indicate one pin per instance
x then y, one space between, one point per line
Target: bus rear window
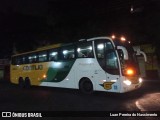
15 60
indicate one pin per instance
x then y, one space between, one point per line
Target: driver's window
111 59
106 56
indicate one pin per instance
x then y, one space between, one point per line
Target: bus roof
41 49
59 45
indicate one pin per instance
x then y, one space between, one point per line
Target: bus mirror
139 52
123 52
144 55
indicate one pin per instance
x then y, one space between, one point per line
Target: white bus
96 64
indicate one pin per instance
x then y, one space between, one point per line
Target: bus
95 64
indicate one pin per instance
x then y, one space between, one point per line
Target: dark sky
40 7
35 7
31 23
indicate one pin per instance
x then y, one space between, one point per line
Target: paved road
13 98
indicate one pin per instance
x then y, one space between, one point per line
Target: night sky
28 24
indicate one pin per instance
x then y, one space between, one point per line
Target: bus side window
19 61
68 53
100 53
42 56
32 58
53 55
100 50
26 59
23 59
16 60
111 60
84 50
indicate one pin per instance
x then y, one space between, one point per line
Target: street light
113 36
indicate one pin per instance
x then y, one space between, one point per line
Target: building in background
149 69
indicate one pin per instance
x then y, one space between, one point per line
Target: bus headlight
140 80
127 82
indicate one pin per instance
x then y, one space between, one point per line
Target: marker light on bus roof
113 36
100 46
127 82
123 39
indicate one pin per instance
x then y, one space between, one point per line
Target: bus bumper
127 85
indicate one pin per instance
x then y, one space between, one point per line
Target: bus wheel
86 86
21 82
27 82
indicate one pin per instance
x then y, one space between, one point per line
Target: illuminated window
100 50
106 56
109 46
32 58
23 59
19 60
53 55
85 50
111 61
100 46
42 57
68 53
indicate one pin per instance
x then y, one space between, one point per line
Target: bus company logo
107 85
33 67
6 114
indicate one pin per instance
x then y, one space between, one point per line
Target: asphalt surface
144 99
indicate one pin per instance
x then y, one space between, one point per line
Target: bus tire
21 82
86 86
27 82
